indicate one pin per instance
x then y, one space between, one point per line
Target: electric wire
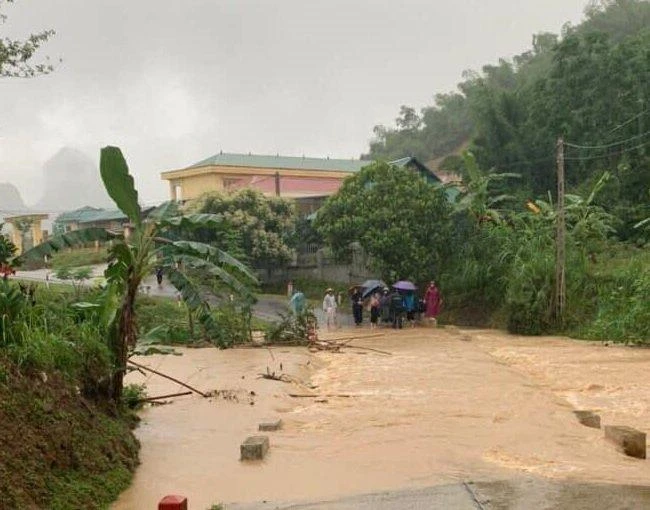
608 145
602 156
647 110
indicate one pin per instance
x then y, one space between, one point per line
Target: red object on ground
173 503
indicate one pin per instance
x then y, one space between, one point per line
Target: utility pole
560 237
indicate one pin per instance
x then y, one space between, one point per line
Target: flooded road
448 405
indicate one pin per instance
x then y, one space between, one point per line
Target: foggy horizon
176 84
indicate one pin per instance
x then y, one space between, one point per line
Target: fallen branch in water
310 395
369 349
345 339
336 346
282 378
144 367
150 399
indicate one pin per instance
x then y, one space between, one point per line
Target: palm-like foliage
476 193
144 246
588 224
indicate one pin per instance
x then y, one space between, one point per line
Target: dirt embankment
58 451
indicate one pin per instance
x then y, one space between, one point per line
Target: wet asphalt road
517 494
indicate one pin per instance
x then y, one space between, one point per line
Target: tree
147 245
7 248
591 86
257 227
398 218
16 55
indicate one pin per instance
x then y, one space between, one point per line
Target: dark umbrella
404 285
369 286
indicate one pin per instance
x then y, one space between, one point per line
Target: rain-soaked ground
447 407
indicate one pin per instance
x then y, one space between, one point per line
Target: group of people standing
388 307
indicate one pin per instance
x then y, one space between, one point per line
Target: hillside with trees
590 85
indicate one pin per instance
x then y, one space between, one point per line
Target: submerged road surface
446 407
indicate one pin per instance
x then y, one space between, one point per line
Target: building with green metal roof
87 217
286 176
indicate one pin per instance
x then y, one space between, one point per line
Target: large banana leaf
214 270
642 223
192 221
164 211
67 240
192 297
119 183
201 249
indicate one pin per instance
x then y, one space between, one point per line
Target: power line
630 120
608 145
601 156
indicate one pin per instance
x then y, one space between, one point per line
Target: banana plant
475 193
144 245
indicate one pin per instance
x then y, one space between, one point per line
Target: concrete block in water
630 440
588 418
254 448
270 426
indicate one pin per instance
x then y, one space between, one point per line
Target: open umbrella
369 286
353 288
404 285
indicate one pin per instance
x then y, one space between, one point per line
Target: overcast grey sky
173 82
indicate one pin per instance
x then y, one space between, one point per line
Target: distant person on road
397 309
159 275
298 302
432 301
410 305
384 307
329 307
357 306
374 310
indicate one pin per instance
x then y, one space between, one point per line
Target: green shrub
622 311
167 314
133 394
292 328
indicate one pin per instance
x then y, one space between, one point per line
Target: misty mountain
71 181
10 199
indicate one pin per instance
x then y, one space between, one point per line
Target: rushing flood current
446 406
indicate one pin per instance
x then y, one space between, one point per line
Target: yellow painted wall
194 186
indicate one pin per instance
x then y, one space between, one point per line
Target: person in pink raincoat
432 302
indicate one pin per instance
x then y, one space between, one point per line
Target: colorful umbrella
404 285
369 286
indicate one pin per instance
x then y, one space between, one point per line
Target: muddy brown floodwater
448 405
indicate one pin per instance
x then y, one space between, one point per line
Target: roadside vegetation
78 257
491 247
53 365
64 350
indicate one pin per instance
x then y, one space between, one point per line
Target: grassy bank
71 257
59 450
606 300
63 445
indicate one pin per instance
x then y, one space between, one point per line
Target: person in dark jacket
397 309
357 306
384 307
